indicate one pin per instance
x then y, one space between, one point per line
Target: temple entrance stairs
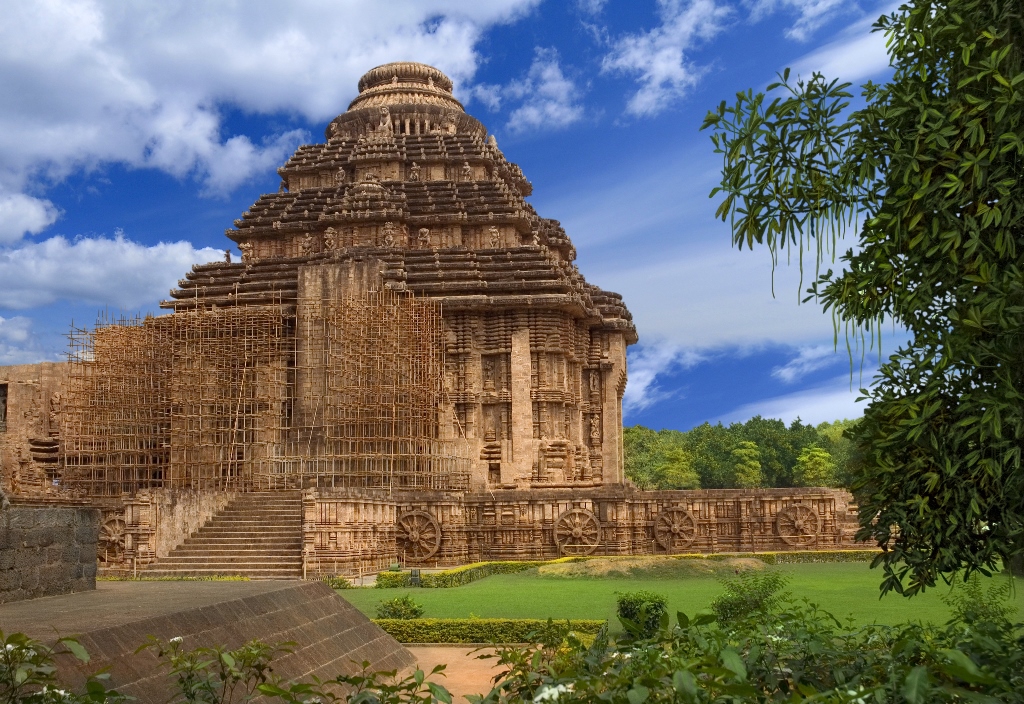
257 535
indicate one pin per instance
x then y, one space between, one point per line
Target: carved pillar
523 444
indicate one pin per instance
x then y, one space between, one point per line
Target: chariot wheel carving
419 535
797 525
675 529
112 539
577 532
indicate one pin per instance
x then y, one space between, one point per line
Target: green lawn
845 589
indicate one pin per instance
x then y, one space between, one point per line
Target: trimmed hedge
816 556
480 630
478 570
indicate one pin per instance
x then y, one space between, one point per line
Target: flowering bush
791 652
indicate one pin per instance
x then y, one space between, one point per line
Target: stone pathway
465 674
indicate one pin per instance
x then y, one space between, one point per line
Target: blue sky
132 134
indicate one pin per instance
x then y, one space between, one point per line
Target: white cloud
20 214
857 54
546 97
659 56
646 363
591 7
103 271
16 345
807 360
828 402
551 100
88 82
811 14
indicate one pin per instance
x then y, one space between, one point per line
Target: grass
845 589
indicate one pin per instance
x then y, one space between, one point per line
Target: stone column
523 444
613 369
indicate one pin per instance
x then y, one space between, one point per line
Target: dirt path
465 674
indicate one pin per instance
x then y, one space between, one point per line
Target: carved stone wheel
419 535
675 529
577 532
112 539
797 525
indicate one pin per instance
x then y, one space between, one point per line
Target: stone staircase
257 535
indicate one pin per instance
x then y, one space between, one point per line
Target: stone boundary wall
47 551
352 532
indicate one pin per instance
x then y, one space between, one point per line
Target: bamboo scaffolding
344 393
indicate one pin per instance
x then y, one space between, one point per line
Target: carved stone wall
30 404
442 529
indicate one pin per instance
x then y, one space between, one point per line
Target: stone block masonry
328 635
47 551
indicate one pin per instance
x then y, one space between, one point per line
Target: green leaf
734 663
76 648
439 693
916 685
685 683
637 694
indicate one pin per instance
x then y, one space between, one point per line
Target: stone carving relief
494 236
467 171
388 232
340 177
330 239
308 245
414 172
423 237
247 252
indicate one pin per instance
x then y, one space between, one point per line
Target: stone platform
331 636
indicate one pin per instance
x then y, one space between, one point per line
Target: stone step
255 535
251 574
227 532
234 560
289 538
211 553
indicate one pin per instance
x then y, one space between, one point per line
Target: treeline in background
762 452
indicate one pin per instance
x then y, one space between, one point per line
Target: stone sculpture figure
414 172
385 126
494 236
389 234
247 253
308 245
467 171
424 237
227 256
330 239
339 177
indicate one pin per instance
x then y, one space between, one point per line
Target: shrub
642 610
801 655
401 607
27 673
970 603
338 582
392 580
482 630
749 594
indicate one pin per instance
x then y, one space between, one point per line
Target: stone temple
405 366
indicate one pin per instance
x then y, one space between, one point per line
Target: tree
929 171
678 472
746 462
815 467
